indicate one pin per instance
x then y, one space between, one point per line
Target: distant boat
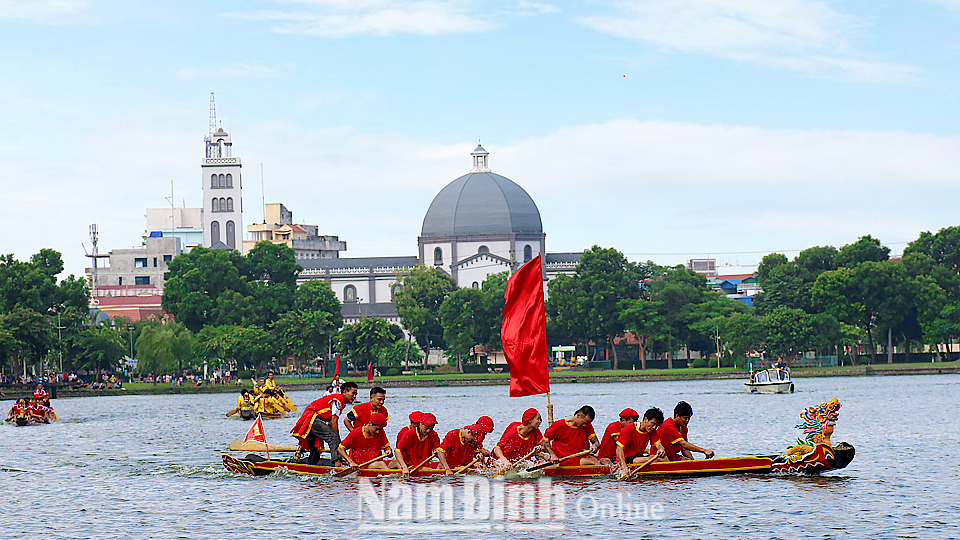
770 381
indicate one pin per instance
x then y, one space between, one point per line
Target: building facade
139 266
222 187
303 239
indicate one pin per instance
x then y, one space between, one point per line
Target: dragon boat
256 465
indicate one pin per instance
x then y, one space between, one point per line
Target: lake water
149 467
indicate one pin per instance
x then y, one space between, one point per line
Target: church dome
481 202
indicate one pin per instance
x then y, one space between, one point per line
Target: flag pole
549 409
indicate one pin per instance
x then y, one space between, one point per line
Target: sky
667 129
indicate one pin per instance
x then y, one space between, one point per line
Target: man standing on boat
608 444
573 435
320 422
367 442
360 414
635 437
673 435
416 443
519 439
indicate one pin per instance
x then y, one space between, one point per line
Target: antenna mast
93 238
213 115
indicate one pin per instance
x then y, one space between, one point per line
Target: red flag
370 371
524 331
336 370
256 432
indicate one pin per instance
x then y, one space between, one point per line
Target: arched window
231 234
214 232
213 180
483 249
527 253
223 204
229 204
438 257
349 293
229 180
215 205
475 285
223 182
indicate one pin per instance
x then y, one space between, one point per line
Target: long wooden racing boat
255 465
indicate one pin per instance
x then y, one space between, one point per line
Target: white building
222 203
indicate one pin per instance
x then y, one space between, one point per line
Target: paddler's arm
443 461
347 423
343 453
498 453
595 445
621 458
403 465
554 458
690 447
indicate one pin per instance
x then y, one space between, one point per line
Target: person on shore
459 447
320 423
360 414
367 442
520 439
635 437
416 443
608 443
673 435
573 435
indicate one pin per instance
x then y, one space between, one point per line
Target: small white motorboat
770 381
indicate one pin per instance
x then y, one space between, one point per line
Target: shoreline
585 378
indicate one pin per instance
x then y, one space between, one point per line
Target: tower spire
213 115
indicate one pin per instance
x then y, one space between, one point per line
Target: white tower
222 203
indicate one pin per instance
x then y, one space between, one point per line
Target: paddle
257 446
424 462
468 465
233 412
638 468
356 468
549 463
518 462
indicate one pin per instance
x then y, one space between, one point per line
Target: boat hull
780 387
260 467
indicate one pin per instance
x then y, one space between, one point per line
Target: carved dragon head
817 423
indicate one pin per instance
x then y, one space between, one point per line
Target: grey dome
481 203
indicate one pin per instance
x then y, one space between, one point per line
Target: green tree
31 335
865 249
418 296
646 320
164 348
364 341
679 290
303 335
242 346
194 283
316 295
787 331
100 348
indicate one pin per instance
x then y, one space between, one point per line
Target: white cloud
806 35
342 18
526 6
233 70
46 11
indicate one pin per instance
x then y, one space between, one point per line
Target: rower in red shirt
20 413
360 414
673 435
320 423
486 427
634 438
573 435
519 439
415 418
608 444
459 447
367 442
41 394
415 444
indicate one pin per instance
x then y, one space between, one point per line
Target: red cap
428 419
485 423
476 431
530 414
416 416
378 419
629 413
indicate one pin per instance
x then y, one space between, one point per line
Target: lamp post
130 327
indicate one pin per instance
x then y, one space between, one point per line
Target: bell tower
222 203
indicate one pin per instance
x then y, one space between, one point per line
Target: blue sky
668 129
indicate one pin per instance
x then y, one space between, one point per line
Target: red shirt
363 448
360 414
634 442
40 394
608 446
320 408
458 452
514 446
415 449
567 439
670 436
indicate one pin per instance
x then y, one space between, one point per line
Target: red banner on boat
524 331
256 432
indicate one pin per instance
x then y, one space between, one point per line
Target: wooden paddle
518 462
638 468
468 465
424 462
356 468
257 446
233 412
549 463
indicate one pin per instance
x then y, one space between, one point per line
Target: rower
360 415
320 422
635 437
608 444
415 418
19 413
367 442
673 435
41 394
416 443
459 447
569 436
268 383
520 438
486 427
